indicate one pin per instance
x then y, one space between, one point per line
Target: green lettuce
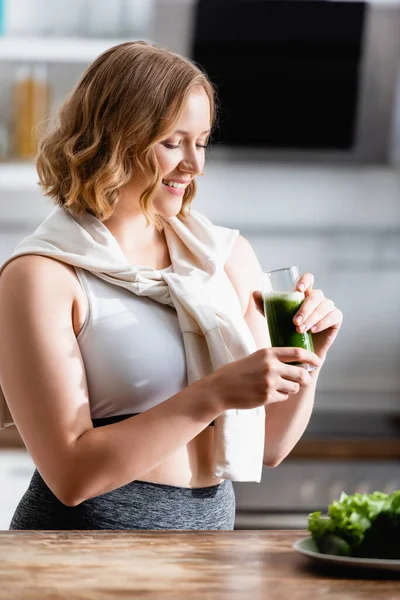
360 525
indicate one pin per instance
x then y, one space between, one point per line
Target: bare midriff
190 466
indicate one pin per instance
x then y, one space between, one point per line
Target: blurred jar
30 105
3 142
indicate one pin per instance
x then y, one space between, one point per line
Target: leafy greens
360 525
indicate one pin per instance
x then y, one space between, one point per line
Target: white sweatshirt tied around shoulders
210 317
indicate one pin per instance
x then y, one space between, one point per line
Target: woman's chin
172 210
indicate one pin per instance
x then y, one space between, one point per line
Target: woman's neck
141 244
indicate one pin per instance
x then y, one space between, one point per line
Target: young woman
115 393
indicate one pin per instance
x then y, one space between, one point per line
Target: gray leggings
137 505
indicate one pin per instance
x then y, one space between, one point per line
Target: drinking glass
281 303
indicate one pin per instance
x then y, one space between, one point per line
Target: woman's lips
175 191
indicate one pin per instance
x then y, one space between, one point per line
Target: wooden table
108 565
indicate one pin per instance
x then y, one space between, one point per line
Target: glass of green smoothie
281 303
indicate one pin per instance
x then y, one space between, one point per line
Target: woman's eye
170 146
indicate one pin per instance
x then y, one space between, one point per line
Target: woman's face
181 155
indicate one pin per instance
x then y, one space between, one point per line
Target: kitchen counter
217 565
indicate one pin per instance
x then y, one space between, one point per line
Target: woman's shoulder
30 274
242 258
32 265
244 270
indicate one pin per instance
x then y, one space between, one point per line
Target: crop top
132 348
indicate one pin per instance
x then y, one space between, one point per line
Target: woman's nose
191 164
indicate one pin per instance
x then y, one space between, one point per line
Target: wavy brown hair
126 101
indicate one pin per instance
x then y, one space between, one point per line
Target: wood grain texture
217 565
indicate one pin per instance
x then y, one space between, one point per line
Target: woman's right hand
264 377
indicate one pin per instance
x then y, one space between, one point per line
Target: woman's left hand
317 314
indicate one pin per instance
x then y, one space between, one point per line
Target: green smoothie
280 309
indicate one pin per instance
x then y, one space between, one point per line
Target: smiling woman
129 330
181 155
86 161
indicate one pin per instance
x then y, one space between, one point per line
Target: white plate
308 547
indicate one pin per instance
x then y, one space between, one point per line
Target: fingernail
302 327
314 329
298 320
301 287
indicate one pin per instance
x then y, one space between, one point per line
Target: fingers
291 381
305 282
300 355
285 386
311 302
332 320
278 397
315 311
297 375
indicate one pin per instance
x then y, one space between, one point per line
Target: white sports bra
132 349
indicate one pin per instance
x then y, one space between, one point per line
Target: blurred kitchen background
305 162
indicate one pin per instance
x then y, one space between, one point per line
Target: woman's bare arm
43 378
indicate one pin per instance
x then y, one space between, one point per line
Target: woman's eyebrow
182 132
